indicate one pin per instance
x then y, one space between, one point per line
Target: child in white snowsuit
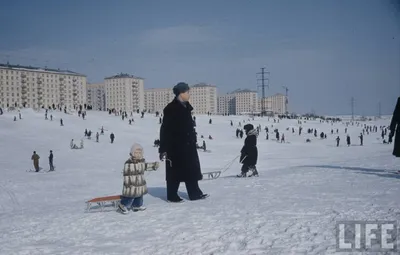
249 152
134 183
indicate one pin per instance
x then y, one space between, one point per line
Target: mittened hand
156 165
163 156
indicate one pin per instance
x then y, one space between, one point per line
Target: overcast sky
325 51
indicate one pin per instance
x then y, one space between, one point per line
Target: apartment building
203 98
37 87
227 104
246 101
278 103
157 99
124 92
275 104
96 96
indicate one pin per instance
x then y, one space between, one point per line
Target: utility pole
352 108
286 99
263 85
379 110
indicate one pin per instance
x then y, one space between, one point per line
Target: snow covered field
291 208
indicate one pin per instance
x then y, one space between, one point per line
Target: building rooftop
242 91
123 75
38 69
202 85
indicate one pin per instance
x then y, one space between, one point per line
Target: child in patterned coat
134 183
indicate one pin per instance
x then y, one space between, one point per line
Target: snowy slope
290 209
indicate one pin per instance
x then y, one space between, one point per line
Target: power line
286 99
379 110
263 85
352 108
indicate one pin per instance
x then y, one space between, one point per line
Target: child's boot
137 209
242 174
122 209
254 172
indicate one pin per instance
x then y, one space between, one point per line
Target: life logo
367 236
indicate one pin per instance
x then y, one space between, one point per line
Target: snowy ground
290 209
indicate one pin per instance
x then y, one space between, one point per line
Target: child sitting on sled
249 152
134 183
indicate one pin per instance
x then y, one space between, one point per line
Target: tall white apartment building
278 103
124 92
203 98
96 96
246 102
227 104
157 99
275 104
40 87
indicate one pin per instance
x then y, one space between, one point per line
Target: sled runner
103 203
211 175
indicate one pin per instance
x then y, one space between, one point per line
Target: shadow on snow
377 172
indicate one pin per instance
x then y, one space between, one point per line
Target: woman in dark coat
178 145
395 130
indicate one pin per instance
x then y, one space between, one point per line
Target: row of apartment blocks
241 102
42 87
36 87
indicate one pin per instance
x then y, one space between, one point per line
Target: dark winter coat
395 130
178 139
249 152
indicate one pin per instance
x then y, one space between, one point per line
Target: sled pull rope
228 165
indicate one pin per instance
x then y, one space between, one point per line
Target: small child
249 152
134 183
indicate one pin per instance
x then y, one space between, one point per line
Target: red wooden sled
103 202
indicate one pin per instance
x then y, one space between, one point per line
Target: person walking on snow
97 137
51 156
348 140
35 159
395 130
134 186
361 139
112 137
249 152
178 146
337 141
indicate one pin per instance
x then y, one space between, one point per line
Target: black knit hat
248 127
181 87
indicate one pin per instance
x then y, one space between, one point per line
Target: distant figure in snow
204 146
361 139
231 123
241 134
61 122
51 117
249 152
20 117
112 137
337 141
210 137
35 159
348 140
283 138
102 130
15 118
210 121
51 156
97 137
